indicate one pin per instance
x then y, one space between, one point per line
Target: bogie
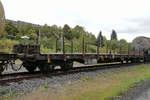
30 66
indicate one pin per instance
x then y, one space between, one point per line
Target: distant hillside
18 23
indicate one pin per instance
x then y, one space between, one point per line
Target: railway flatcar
32 58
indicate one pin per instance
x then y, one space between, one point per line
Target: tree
107 45
56 31
114 35
67 32
22 30
123 44
76 31
11 29
114 45
100 40
45 31
32 34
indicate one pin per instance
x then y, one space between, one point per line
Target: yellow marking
49 60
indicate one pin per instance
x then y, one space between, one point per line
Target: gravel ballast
54 82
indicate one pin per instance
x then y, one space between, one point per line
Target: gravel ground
54 82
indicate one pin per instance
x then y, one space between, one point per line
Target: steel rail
25 75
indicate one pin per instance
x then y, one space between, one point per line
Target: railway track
16 77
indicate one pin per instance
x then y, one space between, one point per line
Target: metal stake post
120 48
128 49
39 37
64 45
72 46
83 47
56 45
98 50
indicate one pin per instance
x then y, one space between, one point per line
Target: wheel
2 68
127 61
70 65
122 61
67 66
30 67
45 67
133 61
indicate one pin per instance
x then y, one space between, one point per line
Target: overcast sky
130 18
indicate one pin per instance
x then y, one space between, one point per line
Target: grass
4 90
104 87
10 96
85 79
46 86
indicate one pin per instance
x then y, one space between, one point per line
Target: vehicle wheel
122 61
127 61
70 65
45 68
67 66
30 69
1 69
29 66
133 61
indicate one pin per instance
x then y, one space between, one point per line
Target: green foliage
114 45
32 34
108 45
46 85
49 35
123 46
77 31
6 45
11 29
85 78
4 90
67 32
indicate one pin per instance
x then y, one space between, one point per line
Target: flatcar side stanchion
64 65
122 59
128 55
56 45
98 51
83 47
71 46
120 48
